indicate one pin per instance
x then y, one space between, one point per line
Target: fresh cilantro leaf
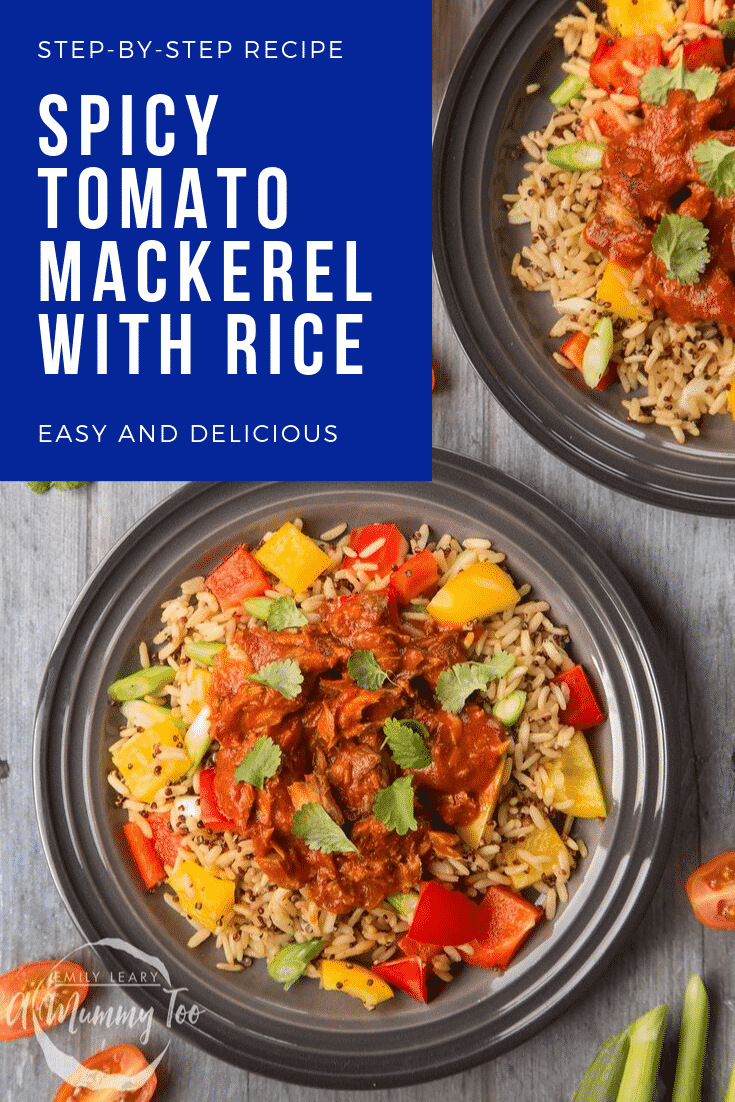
656 83
716 163
500 664
394 806
681 242
364 670
455 685
285 613
261 762
284 676
405 740
726 27
313 825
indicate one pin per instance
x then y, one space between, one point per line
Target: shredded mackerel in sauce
650 172
331 739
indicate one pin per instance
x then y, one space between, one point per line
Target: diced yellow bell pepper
353 979
480 590
203 895
472 832
731 399
145 770
573 777
614 287
545 845
293 557
640 16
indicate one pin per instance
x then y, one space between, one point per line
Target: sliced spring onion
568 90
258 606
577 156
197 739
203 652
290 962
641 1067
141 683
598 352
404 903
692 1043
601 1081
510 707
139 713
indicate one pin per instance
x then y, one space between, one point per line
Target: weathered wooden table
682 569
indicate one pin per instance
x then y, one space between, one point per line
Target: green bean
577 156
290 963
142 683
602 1078
568 90
646 1036
692 1043
203 652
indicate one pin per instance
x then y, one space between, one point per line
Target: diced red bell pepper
166 841
444 917
212 816
607 69
412 948
409 974
704 51
144 854
512 918
237 577
418 575
583 709
390 554
573 348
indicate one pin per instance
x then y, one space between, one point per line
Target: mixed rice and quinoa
266 917
672 375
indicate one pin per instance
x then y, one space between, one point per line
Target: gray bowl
307 1035
504 328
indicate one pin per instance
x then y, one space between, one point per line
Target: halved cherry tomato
583 708
705 51
118 1060
711 891
391 553
237 577
573 348
212 816
48 989
607 67
512 918
409 974
166 841
444 917
418 575
143 852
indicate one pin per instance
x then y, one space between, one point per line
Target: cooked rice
656 358
265 917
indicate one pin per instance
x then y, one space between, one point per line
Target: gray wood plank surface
681 568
